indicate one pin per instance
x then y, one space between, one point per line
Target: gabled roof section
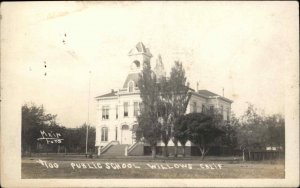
111 94
209 94
134 77
140 49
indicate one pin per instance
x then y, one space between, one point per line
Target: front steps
115 150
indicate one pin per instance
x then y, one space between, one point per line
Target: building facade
117 110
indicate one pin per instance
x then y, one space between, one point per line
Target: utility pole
88 117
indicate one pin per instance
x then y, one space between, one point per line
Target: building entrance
126 135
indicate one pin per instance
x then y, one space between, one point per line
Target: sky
52 49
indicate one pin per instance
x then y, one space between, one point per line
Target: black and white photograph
155 94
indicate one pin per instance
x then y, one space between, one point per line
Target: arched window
125 127
137 64
130 86
104 134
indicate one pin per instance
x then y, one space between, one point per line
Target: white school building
117 110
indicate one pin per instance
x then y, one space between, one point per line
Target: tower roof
159 68
131 77
140 49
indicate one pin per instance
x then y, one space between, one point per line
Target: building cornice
212 97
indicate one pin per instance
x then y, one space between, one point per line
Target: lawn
145 167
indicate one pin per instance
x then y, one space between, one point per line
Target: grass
230 168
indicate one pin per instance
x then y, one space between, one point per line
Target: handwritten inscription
50 137
48 164
119 166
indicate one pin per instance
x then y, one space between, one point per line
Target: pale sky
245 47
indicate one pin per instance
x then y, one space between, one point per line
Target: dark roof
207 93
140 47
111 94
211 94
134 77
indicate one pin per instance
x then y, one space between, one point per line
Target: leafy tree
164 111
257 131
229 128
54 127
34 119
202 131
251 129
91 137
275 130
181 131
229 138
71 140
149 124
176 94
76 139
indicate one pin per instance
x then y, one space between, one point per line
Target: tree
181 131
34 119
91 137
176 94
202 131
148 120
164 111
55 128
230 138
71 140
275 130
257 131
251 128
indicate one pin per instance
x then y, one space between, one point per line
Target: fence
264 155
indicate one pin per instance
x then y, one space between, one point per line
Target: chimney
223 91
197 86
112 91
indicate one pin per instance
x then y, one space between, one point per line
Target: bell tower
138 55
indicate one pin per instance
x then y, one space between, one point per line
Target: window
104 134
137 63
125 109
117 112
141 106
228 114
105 112
130 86
211 109
194 107
116 133
135 109
125 127
203 108
222 111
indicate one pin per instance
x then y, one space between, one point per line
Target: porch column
99 151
